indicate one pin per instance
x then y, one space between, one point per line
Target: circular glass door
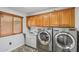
65 40
44 37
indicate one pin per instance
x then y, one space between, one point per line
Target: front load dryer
44 39
64 40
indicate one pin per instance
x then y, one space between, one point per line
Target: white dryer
64 40
44 39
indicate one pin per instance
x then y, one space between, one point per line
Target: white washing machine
44 39
64 40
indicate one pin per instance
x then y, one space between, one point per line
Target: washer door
44 37
65 41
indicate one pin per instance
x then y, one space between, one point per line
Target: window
17 25
6 25
10 25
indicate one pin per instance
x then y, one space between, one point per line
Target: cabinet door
46 18
28 21
6 24
54 19
72 18
17 25
31 21
39 21
67 19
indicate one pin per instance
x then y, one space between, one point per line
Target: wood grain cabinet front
39 21
46 19
54 19
34 21
31 21
67 18
61 18
28 20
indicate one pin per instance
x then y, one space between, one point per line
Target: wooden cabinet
39 21
34 21
67 18
61 18
31 21
54 19
45 19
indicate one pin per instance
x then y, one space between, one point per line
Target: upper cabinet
45 19
54 19
31 21
61 18
39 21
67 18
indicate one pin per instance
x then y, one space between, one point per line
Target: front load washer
64 40
44 39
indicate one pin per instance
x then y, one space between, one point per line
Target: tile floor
24 49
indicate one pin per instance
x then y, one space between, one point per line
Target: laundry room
39 29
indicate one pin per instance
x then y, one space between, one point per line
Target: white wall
77 18
17 40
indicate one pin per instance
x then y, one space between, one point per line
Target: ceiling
29 10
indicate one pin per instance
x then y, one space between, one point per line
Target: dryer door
65 40
44 37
